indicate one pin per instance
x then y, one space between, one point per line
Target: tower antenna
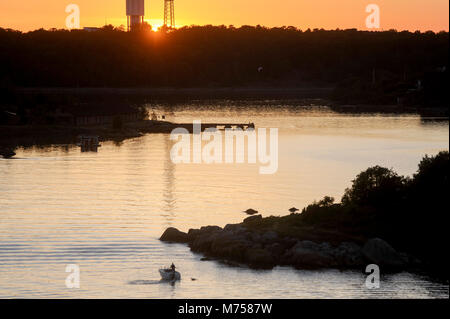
169 13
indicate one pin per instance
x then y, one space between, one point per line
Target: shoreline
34 135
265 243
13 136
183 93
378 221
298 96
254 244
28 136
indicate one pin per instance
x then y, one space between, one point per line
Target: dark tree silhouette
375 186
220 56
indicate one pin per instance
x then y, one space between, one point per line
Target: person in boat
172 267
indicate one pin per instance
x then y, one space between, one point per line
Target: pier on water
218 126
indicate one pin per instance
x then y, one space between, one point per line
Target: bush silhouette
374 187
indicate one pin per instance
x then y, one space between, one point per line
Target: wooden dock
219 126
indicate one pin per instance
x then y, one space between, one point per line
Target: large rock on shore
259 258
379 252
309 255
206 230
173 235
200 240
349 255
253 219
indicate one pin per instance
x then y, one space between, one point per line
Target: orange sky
411 15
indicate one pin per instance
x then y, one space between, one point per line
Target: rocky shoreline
12 137
264 248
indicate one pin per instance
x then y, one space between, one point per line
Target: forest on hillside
355 62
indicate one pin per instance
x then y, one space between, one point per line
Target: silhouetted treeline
215 56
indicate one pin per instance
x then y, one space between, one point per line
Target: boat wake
146 282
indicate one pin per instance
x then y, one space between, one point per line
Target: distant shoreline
197 92
169 94
33 135
13 136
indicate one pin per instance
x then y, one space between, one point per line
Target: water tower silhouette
135 14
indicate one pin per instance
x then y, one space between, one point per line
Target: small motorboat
169 274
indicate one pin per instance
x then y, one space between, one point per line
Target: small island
396 222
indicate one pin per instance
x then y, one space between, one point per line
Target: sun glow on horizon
409 15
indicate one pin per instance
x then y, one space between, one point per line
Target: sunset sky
328 14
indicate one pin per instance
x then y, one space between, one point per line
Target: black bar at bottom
218 308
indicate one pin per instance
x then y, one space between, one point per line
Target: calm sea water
105 211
